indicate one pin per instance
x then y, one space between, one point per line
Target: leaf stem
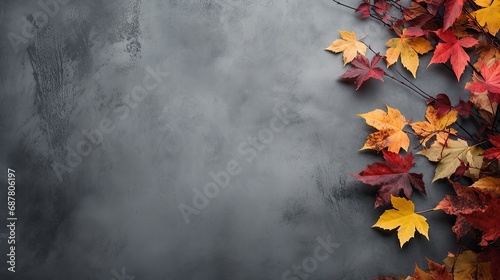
425 211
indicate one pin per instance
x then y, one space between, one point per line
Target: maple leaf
435 125
404 218
488 222
363 70
489 184
364 9
493 153
467 201
393 178
453 50
452 10
488 81
489 15
476 207
381 6
468 266
449 156
436 272
349 45
408 48
390 132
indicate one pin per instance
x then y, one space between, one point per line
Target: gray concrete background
229 64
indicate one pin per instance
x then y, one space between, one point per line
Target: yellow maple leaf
467 266
449 156
408 48
349 45
490 184
435 126
404 218
489 15
390 132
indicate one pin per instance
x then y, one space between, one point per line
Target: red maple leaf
381 6
488 222
393 177
467 201
452 10
489 79
453 50
493 153
364 9
363 70
476 208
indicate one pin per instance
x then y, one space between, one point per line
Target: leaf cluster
457 34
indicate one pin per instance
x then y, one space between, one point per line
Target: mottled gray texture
229 63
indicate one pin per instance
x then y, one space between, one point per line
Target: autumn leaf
476 207
435 126
494 152
488 222
408 48
489 15
432 5
363 70
485 54
449 156
417 14
381 6
436 272
390 132
452 10
453 50
488 81
441 103
364 9
483 102
404 218
463 108
393 178
491 254
349 45
490 184
466 201
468 266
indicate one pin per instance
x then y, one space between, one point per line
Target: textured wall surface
118 115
